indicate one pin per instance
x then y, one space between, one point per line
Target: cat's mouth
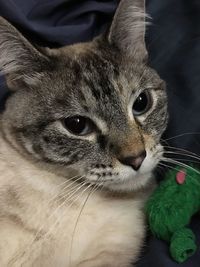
120 180
130 183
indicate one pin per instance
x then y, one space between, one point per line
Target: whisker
71 183
184 159
72 197
93 189
72 192
176 169
180 164
62 195
182 150
73 200
168 166
64 192
180 135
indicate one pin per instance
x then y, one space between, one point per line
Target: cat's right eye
142 104
79 125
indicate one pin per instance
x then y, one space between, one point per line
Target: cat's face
94 108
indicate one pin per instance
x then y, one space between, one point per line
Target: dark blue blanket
173 42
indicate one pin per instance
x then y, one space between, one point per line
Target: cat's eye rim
79 125
142 103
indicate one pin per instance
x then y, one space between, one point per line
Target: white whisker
182 150
176 169
180 135
180 164
70 198
77 220
72 184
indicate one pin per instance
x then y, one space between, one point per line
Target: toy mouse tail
182 245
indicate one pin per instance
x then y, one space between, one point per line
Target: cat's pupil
78 125
142 103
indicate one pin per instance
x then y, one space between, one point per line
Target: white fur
109 231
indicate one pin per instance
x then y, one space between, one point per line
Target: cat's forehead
93 74
101 69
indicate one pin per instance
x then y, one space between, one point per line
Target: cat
79 140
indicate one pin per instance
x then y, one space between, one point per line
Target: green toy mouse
170 209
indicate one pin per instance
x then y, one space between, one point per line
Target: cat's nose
134 161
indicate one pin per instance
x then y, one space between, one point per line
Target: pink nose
134 161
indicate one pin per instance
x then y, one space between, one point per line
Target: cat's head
95 108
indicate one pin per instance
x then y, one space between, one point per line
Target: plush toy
170 209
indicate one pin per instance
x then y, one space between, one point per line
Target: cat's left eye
79 125
142 103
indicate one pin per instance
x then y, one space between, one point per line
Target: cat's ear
127 31
20 61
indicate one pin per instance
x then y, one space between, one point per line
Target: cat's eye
142 103
79 125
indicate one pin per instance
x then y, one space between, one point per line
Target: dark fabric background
173 41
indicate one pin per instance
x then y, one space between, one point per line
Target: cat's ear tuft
127 31
20 61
